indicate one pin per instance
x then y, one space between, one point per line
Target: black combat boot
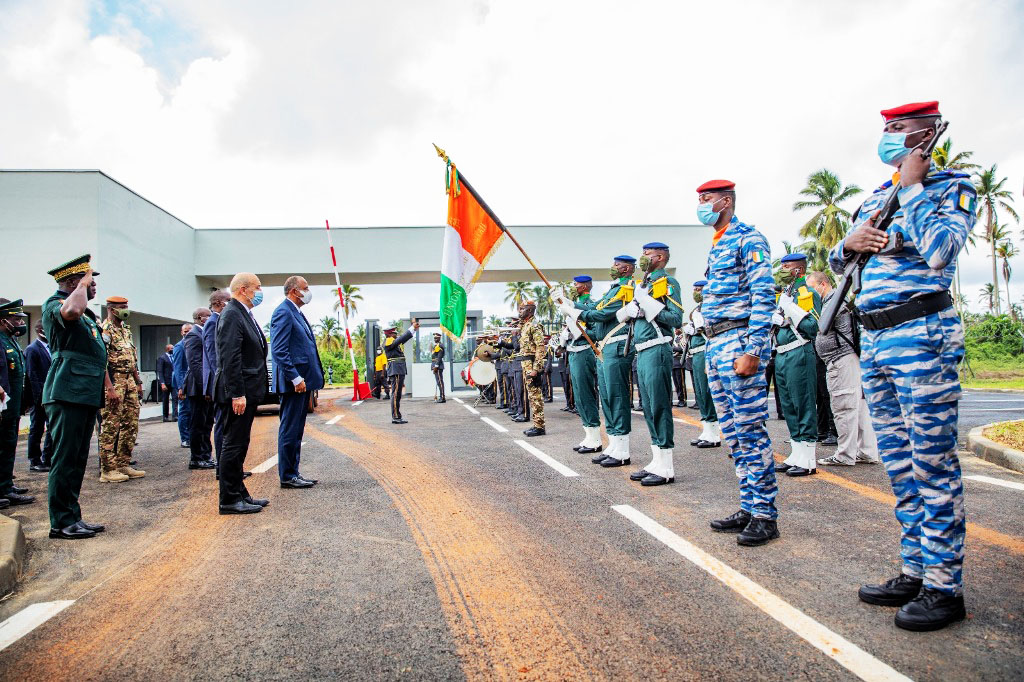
931 610
895 592
758 532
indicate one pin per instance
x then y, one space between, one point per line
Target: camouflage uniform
120 422
533 349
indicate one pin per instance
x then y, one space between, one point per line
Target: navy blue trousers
289 434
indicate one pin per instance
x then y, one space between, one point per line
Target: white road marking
844 652
547 459
472 410
494 425
334 419
458 400
28 619
967 408
265 466
996 481
1002 400
357 403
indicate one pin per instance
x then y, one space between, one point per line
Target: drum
483 373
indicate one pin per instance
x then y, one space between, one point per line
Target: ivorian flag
470 239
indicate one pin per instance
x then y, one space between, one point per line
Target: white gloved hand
564 306
698 320
627 312
689 329
792 309
778 320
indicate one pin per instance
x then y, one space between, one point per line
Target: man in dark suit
297 373
178 385
202 407
37 357
240 384
165 375
218 300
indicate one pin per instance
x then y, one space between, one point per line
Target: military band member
437 366
739 300
679 351
583 370
796 365
549 356
710 433
395 353
532 350
18 394
911 344
120 418
654 313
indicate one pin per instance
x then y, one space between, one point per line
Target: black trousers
397 388
567 388
548 387
518 391
826 422
39 425
220 414
680 383
439 380
169 403
237 431
200 428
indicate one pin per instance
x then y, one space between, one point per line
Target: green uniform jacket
602 314
79 356
808 326
15 361
584 303
670 317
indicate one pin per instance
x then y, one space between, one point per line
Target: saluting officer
12 389
73 392
437 366
710 434
120 418
583 369
796 365
911 346
739 300
395 353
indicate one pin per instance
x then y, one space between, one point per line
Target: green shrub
342 366
993 338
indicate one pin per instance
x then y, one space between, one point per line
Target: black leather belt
919 306
713 330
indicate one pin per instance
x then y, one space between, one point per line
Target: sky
243 113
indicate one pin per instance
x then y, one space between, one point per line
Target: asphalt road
985 407
442 549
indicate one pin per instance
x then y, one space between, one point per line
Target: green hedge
342 366
993 338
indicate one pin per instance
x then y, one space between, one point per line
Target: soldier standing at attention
532 349
583 371
796 365
120 418
395 353
73 392
911 344
12 388
654 313
739 300
437 366
710 435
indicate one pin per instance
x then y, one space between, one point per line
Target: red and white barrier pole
344 315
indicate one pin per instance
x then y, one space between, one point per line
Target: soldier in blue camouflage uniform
911 345
710 435
739 300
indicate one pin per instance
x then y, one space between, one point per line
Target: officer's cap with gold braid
12 309
77 266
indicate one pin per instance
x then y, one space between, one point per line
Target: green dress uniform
652 340
796 371
120 420
14 385
583 375
72 394
614 367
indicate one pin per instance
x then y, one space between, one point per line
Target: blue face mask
892 148
257 298
706 213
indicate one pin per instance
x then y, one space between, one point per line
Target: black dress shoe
39 467
600 457
610 462
4 503
694 441
704 444
399 421
588 451
758 532
639 475
72 532
550 400
19 489
94 527
800 471
132 463
534 431
15 499
576 448
296 483
783 467
895 592
201 464
733 523
240 507
257 501
654 479
521 420
314 481
931 610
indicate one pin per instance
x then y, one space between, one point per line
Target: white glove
574 330
650 306
698 320
689 329
778 320
627 312
571 315
793 311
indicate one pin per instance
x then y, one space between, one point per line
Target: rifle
853 269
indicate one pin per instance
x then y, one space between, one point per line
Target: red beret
716 186
913 110
117 299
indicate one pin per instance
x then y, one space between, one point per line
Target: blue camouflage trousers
913 390
742 406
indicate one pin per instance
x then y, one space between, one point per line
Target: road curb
991 451
1018 391
12 553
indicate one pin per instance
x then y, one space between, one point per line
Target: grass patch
1010 434
994 373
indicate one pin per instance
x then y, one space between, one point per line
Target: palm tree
359 340
945 159
991 198
988 297
329 334
351 294
545 308
516 293
495 321
831 221
1005 251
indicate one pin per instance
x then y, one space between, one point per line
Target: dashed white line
472 410
458 400
334 419
844 652
547 459
265 466
357 403
28 619
494 425
1013 485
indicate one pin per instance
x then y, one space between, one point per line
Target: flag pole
344 314
505 231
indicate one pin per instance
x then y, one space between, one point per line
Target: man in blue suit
178 385
37 359
199 437
297 373
218 300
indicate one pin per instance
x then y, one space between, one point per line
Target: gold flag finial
441 153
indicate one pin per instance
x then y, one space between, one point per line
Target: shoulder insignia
758 256
805 299
659 288
388 341
965 201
